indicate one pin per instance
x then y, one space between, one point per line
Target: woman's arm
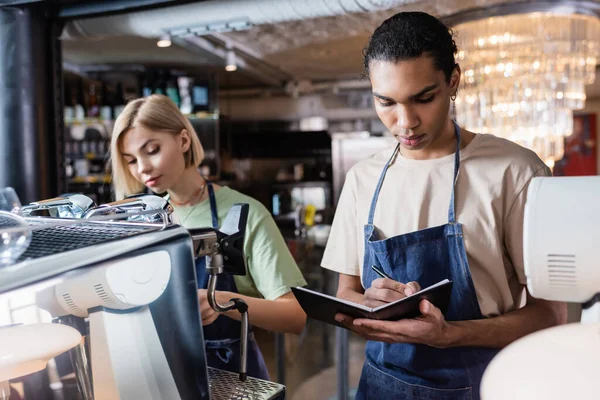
283 314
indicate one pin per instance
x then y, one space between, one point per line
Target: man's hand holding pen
384 290
430 328
387 290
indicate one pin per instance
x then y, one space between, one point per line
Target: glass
15 234
9 201
524 74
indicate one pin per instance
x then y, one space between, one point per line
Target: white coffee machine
562 262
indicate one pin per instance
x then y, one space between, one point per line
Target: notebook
322 307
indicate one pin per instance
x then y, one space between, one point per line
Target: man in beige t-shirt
490 200
444 204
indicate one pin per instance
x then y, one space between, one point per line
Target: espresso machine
123 276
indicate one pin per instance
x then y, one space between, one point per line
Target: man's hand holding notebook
324 308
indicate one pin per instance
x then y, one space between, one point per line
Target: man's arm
502 330
350 288
433 330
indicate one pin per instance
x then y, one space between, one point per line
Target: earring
453 111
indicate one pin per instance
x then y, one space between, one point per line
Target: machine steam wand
214 268
223 250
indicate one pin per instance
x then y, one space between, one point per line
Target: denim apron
416 371
222 337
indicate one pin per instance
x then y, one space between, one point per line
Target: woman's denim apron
222 337
415 371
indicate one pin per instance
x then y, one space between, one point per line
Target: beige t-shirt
490 198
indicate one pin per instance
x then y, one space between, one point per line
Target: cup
9 201
15 237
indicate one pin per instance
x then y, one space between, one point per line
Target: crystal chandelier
524 74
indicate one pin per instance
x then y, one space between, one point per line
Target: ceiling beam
250 54
199 45
86 9
85 70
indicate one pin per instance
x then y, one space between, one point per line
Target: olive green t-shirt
272 270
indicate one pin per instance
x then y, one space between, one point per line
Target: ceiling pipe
304 88
153 23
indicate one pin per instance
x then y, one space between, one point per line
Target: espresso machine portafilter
224 252
68 205
135 205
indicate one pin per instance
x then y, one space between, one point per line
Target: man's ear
455 78
186 140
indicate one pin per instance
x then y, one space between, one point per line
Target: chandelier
524 74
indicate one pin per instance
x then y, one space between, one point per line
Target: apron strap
451 208
379 184
213 206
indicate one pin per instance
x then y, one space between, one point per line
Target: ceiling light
164 41
230 61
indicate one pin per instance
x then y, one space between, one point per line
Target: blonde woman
155 146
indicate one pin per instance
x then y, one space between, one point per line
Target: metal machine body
135 284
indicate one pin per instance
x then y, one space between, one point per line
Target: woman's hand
383 291
206 312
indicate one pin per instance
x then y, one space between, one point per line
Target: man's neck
442 146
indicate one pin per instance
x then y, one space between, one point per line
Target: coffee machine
124 276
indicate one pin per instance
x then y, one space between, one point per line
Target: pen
381 273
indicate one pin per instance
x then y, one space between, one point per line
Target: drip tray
226 385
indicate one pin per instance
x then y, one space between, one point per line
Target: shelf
87 121
203 115
89 156
323 183
102 179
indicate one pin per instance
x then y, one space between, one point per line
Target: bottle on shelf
69 110
106 108
119 101
146 86
199 96
173 90
75 149
102 148
184 92
94 107
80 104
159 84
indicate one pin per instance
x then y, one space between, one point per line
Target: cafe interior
276 93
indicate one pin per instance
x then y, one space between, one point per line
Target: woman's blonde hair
158 113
